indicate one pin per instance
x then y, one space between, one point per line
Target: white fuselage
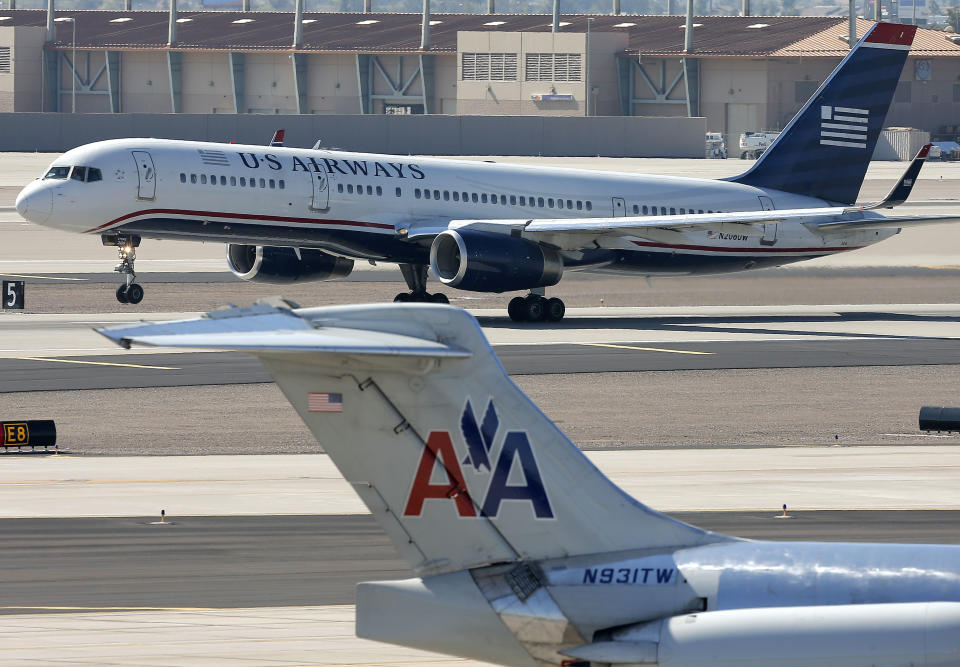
371 206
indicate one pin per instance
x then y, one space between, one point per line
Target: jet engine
281 265
490 262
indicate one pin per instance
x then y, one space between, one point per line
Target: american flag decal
325 402
216 158
843 126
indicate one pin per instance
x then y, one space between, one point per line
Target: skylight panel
435 22
243 21
5 18
759 25
122 19
308 21
495 23
368 22
624 25
695 25
184 20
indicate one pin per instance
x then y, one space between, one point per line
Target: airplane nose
35 204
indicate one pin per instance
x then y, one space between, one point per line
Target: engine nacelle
489 262
282 266
906 633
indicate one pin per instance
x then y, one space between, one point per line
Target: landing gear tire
534 308
403 297
439 297
555 310
425 297
122 294
134 294
516 309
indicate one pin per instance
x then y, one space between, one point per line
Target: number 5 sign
13 294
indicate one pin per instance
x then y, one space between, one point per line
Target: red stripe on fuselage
238 216
708 248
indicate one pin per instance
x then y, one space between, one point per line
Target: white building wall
268 83
207 84
144 82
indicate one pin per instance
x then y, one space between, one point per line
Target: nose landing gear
130 292
536 308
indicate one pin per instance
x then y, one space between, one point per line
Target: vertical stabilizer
825 150
456 463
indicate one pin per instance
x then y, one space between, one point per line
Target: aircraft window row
512 200
82 174
359 189
663 210
242 182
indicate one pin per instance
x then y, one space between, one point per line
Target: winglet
904 186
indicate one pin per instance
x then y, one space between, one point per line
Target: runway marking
18 275
120 608
645 349
97 363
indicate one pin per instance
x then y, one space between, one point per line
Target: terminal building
740 73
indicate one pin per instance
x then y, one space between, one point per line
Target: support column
491 7
113 79
12 4
128 5
425 27
624 87
688 31
556 16
745 8
298 25
300 81
877 11
245 6
236 78
50 24
616 7
172 27
367 6
427 67
52 68
853 22
175 68
364 72
691 79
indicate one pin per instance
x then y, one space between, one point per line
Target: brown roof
730 36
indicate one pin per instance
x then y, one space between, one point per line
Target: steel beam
625 85
175 69
364 76
691 75
52 62
113 79
237 73
427 66
300 81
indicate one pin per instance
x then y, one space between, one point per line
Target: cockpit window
93 174
59 173
79 174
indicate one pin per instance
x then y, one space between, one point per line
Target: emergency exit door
146 175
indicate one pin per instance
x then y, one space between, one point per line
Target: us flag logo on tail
843 126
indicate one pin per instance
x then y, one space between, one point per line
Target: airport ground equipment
939 419
29 434
525 554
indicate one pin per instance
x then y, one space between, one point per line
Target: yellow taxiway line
645 349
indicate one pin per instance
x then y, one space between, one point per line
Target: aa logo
505 467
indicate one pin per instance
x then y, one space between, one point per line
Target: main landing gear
130 292
536 308
415 276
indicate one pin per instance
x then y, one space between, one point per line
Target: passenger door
619 207
146 175
769 230
320 200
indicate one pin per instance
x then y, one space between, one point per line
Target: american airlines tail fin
825 150
459 467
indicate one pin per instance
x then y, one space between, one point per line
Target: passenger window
193 178
281 184
243 181
579 205
57 173
223 180
645 209
273 184
379 190
465 196
416 193
523 200
540 202
550 202
673 211
682 211
513 200
503 200
663 210
203 179
78 174
233 180
589 205
483 198
570 203
700 211
350 188
398 192
263 183
426 194
636 209
446 195
183 177
436 194
253 183
456 196
339 187
370 190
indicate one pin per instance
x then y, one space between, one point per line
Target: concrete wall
21 89
634 136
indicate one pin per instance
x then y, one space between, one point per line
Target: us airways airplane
289 214
525 554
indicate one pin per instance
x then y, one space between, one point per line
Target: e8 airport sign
28 433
